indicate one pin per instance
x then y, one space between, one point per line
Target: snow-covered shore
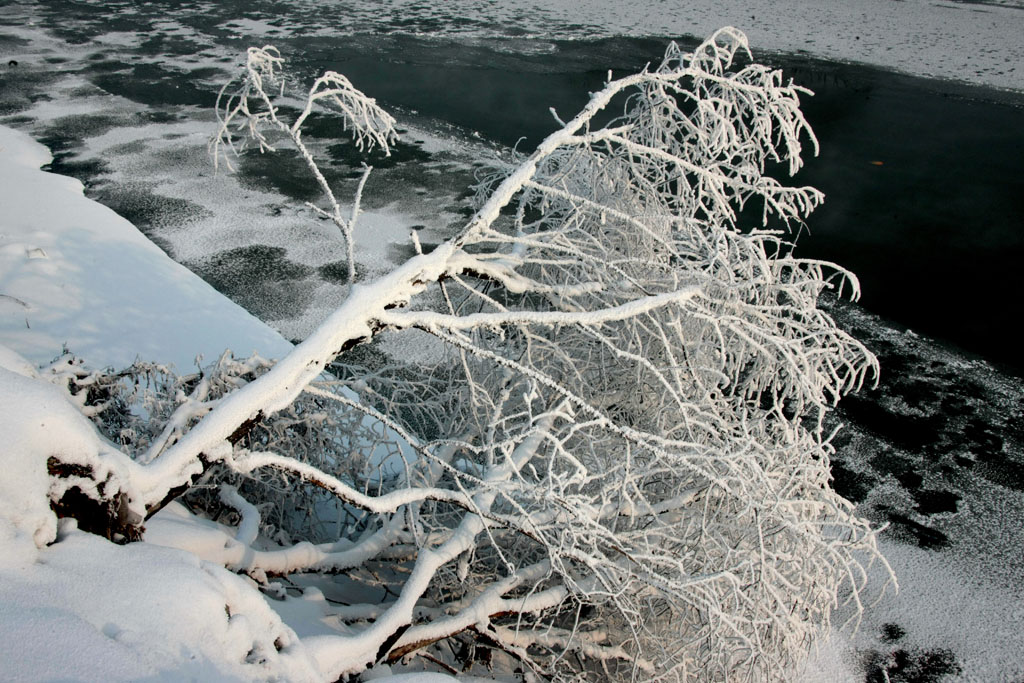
73 273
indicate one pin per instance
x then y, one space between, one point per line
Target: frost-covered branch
616 465
249 108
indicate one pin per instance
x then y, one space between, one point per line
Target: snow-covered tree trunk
618 464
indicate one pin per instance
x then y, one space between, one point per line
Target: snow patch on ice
978 622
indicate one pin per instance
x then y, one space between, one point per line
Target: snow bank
93 610
38 422
76 605
79 606
73 272
33 420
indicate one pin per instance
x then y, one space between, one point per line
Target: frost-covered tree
615 465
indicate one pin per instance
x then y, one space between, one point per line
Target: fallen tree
617 464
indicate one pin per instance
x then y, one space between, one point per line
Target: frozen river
924 180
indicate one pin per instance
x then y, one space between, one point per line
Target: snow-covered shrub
617 467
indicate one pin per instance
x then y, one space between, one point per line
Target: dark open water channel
924 180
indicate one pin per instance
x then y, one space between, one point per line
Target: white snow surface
35 420
74 606
979 621
74 273
93 610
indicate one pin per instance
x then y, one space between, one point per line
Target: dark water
503 89
924 180
924 186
